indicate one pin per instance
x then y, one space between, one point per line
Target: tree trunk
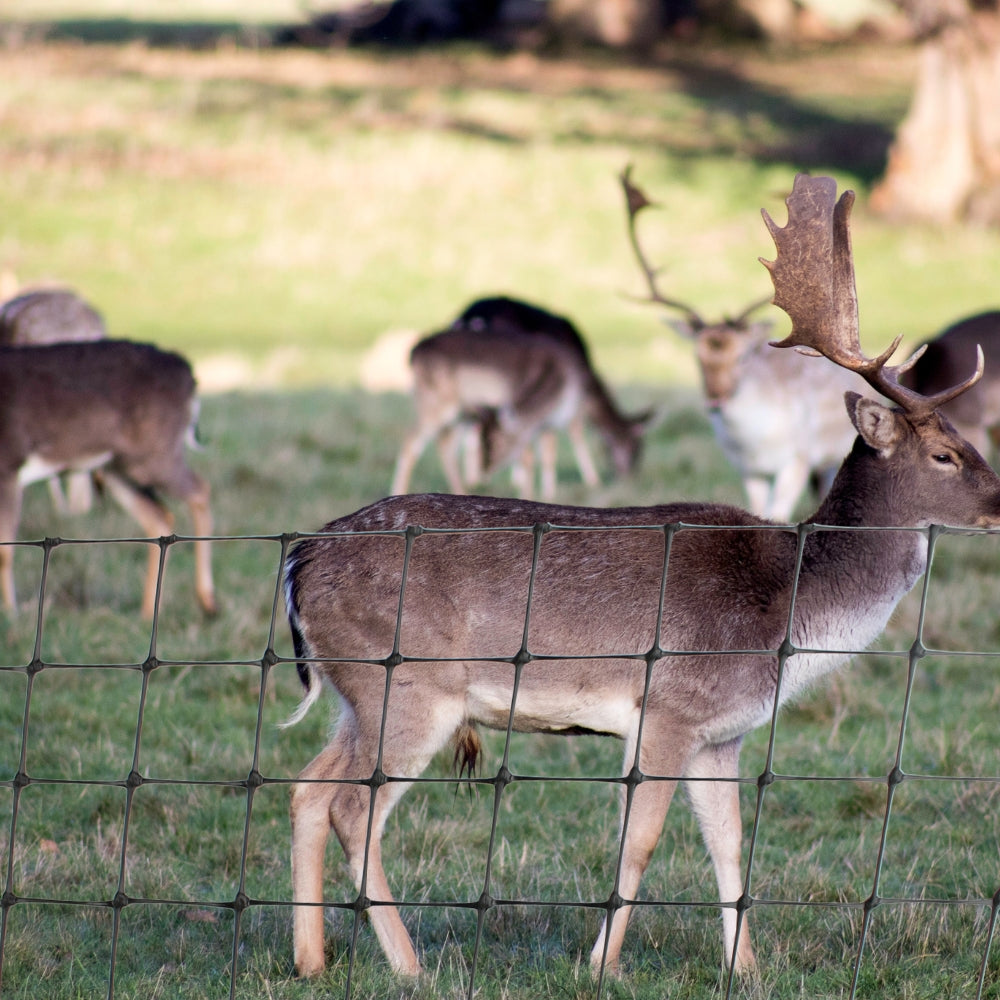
945 162
618 24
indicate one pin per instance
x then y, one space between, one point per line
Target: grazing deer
677 628
778 417
976 413
624 447
124 408
51 316
515 374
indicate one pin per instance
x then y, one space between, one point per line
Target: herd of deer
676 628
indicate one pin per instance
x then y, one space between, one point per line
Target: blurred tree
945 161
638 24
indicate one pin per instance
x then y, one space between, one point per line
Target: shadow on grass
743 118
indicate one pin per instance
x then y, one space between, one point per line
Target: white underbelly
37 468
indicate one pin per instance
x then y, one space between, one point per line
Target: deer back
66 400
951 355
523 316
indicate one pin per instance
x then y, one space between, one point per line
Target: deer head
813 277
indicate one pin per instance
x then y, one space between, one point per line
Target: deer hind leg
642 825
716 804
198 496
156 521
450 440
10 515
522 474
329 797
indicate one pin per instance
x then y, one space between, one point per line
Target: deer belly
552 711
484 387
36 468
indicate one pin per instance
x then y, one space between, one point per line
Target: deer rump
130 394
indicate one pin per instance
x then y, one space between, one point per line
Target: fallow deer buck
777 416
127 409
515 374
976 413
52 316
676 628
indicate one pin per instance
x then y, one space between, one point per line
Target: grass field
272 214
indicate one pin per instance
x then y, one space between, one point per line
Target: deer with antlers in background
777 416
676 628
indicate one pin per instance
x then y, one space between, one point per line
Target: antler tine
635 202
750 309
813 277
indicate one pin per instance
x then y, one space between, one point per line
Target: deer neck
852 580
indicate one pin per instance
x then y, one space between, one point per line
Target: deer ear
877 424
686 329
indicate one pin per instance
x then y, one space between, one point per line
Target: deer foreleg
716 803
758 490
788 485
642 828
79 492
156 522
581 450
548 454
449 442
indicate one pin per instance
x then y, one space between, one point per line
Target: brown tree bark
945 162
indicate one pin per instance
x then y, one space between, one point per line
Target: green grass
282 462
272 214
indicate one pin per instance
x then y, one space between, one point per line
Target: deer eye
943 458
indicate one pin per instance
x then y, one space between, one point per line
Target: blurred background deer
52 316
501 381
778 416
126 409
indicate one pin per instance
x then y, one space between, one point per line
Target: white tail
778 417
51 316
451 612
113 405
510 375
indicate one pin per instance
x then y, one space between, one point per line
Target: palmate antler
813 277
